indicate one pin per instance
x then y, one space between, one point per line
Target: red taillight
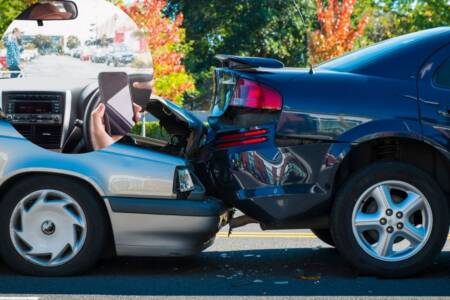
240 135
251 94
235 139
242 143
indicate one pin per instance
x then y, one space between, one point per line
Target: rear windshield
224 84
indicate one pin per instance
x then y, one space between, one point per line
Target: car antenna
302 16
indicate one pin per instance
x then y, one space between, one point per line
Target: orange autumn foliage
166 39
336 35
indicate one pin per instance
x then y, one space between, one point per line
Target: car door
434 96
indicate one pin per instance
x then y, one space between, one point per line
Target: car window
442 76
80 48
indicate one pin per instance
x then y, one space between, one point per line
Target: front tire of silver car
390 219
51 226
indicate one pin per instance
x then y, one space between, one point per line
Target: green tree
266 28
73 42
10 9
390 18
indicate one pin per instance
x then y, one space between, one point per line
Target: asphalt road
249 264
53 66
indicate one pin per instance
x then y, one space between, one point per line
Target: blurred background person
14 50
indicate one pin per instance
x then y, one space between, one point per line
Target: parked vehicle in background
86 54
29 54
99 55
3 63
356 149
76 53
119 55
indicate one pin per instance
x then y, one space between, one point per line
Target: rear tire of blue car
51 226
390 219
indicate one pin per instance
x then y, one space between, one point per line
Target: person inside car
100 137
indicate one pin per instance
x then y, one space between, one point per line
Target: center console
38 116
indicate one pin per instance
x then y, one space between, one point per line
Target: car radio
34 108
38 116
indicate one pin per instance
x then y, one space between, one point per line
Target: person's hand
100 138
137 112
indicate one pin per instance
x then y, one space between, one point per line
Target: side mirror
50 11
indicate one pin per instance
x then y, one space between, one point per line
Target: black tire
354 187
324 234
93 210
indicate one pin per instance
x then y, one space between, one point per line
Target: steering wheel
76 141
92 103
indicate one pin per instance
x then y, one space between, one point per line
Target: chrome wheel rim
48 228
392 221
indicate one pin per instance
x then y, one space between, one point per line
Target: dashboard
38 116
44 112
53 112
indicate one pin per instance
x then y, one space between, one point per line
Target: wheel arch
400 148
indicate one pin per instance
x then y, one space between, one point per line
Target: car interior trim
67 114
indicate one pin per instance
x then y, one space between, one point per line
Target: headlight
185 182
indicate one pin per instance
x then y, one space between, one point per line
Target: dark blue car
356 149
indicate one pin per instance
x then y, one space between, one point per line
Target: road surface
247 265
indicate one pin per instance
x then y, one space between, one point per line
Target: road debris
310 277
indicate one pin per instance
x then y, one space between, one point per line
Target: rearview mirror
50 11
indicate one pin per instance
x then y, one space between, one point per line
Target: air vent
48 136
25 130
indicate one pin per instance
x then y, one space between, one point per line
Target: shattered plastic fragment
306 277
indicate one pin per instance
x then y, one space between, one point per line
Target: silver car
59 213
64 206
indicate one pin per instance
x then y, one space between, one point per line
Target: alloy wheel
392 221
